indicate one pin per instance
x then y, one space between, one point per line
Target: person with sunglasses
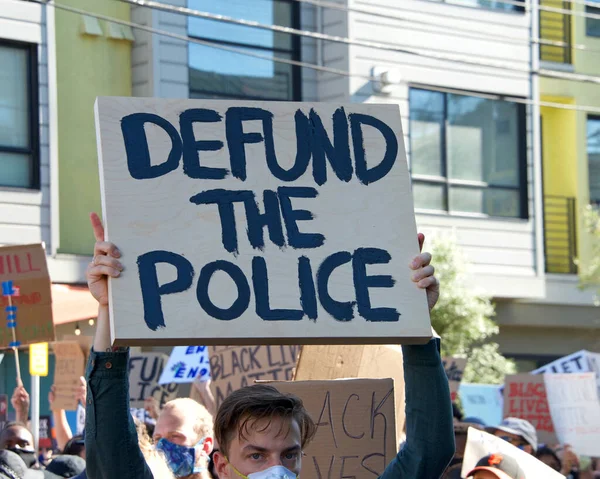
519 432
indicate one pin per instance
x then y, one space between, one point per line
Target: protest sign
234 367
366 361
580 362
80 419
85 342
356 434
525 398
481 444
142 415
144 372
455 368
45 437
69 366
25 266
186 365
259 223
483 401
575 411
38 359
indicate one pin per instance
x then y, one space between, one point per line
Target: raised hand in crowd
81 391
152 407
20 402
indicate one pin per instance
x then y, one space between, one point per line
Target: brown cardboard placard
25 266
234 367
455 368
144 372
356 435
231 281
85 342
525 398
69 366
367 361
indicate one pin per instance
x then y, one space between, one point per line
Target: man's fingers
102 270
421 238
102 260
423 273
106 248
428 282
97 227
422 260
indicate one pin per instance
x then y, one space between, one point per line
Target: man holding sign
254 449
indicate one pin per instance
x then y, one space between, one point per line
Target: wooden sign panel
259 223
69 366
25 266
455 368
145 370
356 435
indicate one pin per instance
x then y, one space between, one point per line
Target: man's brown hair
243 408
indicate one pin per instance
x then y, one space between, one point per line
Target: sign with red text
245 223
575 411
235 367
525 398
25 266
356 435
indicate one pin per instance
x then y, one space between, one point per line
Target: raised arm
111 440
429 445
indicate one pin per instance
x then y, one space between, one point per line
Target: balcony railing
560 234
556 27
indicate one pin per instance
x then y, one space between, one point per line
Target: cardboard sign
235 367
186 365
69 366
259 223
481 444
26 267
38 359
580 362
455 368
575 410
144 372
80 419
356 434
525 398
483 401
367 361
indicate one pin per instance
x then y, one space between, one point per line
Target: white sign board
186 364
575 411
258 223
580 362
481 444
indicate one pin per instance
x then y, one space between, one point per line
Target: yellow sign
38 359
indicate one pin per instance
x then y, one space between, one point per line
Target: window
592 25
215 73
593 152
491 4
19 156
467 154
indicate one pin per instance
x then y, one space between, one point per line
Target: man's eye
256 456
291 456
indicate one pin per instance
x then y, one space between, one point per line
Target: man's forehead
16 432
270 433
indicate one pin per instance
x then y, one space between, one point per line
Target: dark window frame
595 201
33 112
295 52
517 9
588 21
522 187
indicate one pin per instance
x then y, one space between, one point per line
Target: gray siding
25 214
498 249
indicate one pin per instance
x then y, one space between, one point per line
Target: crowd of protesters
257 432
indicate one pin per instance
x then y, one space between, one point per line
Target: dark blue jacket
112 449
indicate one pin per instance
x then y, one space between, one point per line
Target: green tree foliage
590 269
463 317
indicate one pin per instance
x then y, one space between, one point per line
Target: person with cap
519 432
66 466
13 467
497 466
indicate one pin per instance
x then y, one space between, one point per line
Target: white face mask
275 472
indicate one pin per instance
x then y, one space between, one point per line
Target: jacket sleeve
111 440
429 445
